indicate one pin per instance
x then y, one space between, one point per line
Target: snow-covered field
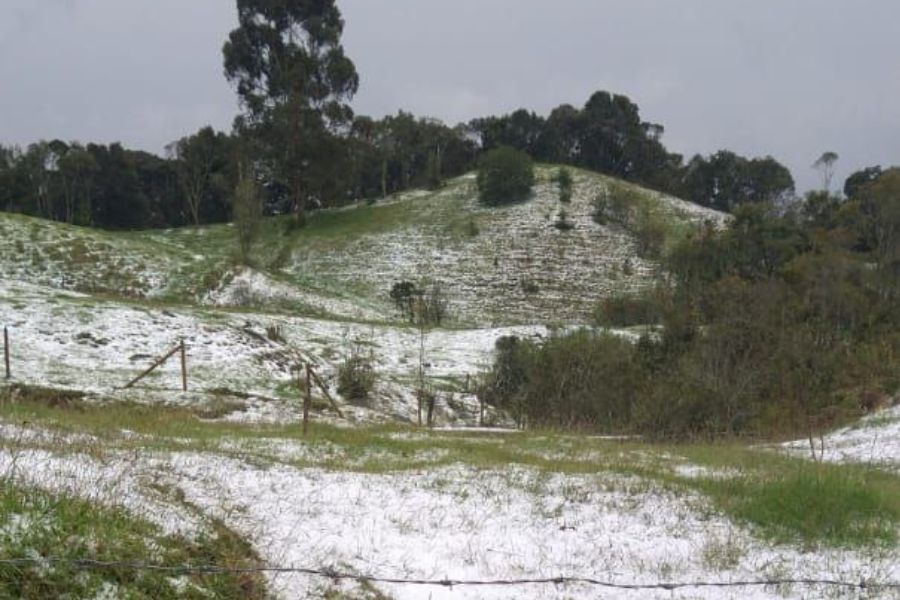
450 522
409 504
874 440
77 342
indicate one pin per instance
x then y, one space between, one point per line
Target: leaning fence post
307 399
183 368
6 351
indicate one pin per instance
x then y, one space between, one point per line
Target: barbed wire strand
90 564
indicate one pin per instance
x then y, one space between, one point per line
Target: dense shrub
627 310
505 176
566 185
583 380
422 306
628 207
356 376
771 327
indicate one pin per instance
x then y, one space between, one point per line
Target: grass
333 257
36 524
783 499
789 500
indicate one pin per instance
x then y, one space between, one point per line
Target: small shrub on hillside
428 306
621 205
275 333
529 286
432 306
562 222
651 236
627 310
402 294
356 376
505 175
472 228
566 185
248 211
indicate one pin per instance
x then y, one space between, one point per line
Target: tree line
303 146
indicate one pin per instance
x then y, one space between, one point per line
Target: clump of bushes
768 328
585 380
626 310
626 207
423 306
505 175
356 375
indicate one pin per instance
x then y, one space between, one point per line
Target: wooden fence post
307 399
6 351
183 368
157 363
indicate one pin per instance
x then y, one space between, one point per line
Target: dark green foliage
566 185
293 79
356 375
505 176
582 381
859 179
628 310
424 306
773 326
725 180
403 295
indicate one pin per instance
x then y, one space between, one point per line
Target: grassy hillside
499 266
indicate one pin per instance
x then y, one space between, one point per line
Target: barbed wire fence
336 575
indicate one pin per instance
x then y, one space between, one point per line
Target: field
223 475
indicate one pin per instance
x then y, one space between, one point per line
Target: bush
505 175
566 185
562 221
402 294
356 376
433 306
627 310
421 306
583 380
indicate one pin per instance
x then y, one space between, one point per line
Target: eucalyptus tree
294 81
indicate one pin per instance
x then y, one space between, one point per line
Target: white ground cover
453 522
874 440
70 340
500 265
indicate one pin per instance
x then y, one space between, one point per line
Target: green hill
497 266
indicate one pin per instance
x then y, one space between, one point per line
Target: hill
89 308
498 266
223 474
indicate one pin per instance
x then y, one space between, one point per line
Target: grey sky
787 78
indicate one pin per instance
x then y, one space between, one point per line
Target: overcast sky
786 78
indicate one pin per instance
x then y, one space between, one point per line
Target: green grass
789 500
783 499
834 506
36 524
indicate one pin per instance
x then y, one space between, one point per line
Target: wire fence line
335 575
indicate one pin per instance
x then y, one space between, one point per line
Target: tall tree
293 78
200 157
859 179
825 165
